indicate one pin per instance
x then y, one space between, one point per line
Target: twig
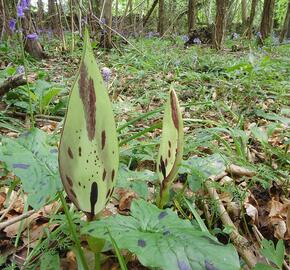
240 242
16 219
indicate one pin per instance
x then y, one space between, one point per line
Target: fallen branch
241 243
11 221
15 81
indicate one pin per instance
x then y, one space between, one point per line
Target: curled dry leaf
252 212
126 200
277 209
279 227
240 171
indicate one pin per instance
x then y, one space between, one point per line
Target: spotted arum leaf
88 152
34 161
171 146
161 239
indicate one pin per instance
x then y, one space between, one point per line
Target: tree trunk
160 28
53 19
147 16
285 27
40 12
191 16
251 19
267 18
4 19
32 46
106 38
244 12
220 23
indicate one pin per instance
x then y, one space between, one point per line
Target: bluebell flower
20 11
12 24
32 36
150 34
185 38
106 74
20 70
235 36
103 21
22 5
197 41
259 35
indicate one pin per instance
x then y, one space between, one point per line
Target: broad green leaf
171 146
49 261
34 161
135 180
260 266
201 168
275 255
88 153
161 239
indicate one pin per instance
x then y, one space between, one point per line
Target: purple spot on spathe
141 243
162 215
20 166
183 265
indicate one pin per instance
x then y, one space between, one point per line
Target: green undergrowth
234 104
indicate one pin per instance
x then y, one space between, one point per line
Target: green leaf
34 161
47 98
88 152
49 261
275 255
260 266
160 239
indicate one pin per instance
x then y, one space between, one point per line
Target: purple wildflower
20 12
197 41
20 69
12 24
235 36
259 35
150 34
22 5
185 38
106 73
103 21
32 36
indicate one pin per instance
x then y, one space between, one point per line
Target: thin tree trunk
286 23
61 27
4 19
208 11
267 18
72 26
32 46
191 16
147 16
220 23
251 19
53 19
40 13
244 12
160 28
106 40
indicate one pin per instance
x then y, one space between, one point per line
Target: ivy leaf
160 239
34 161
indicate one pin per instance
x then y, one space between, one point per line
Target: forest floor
236 113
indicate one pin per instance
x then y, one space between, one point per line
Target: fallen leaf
252 212
240 171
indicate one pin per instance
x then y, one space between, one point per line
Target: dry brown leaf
252 212
126 200
70 262
279 227
277 209
2 199
12 229
240 171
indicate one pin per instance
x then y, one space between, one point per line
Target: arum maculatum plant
88 151
171 147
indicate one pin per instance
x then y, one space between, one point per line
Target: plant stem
26 74
98 261
73 232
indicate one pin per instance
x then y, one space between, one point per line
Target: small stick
240 242
11 221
